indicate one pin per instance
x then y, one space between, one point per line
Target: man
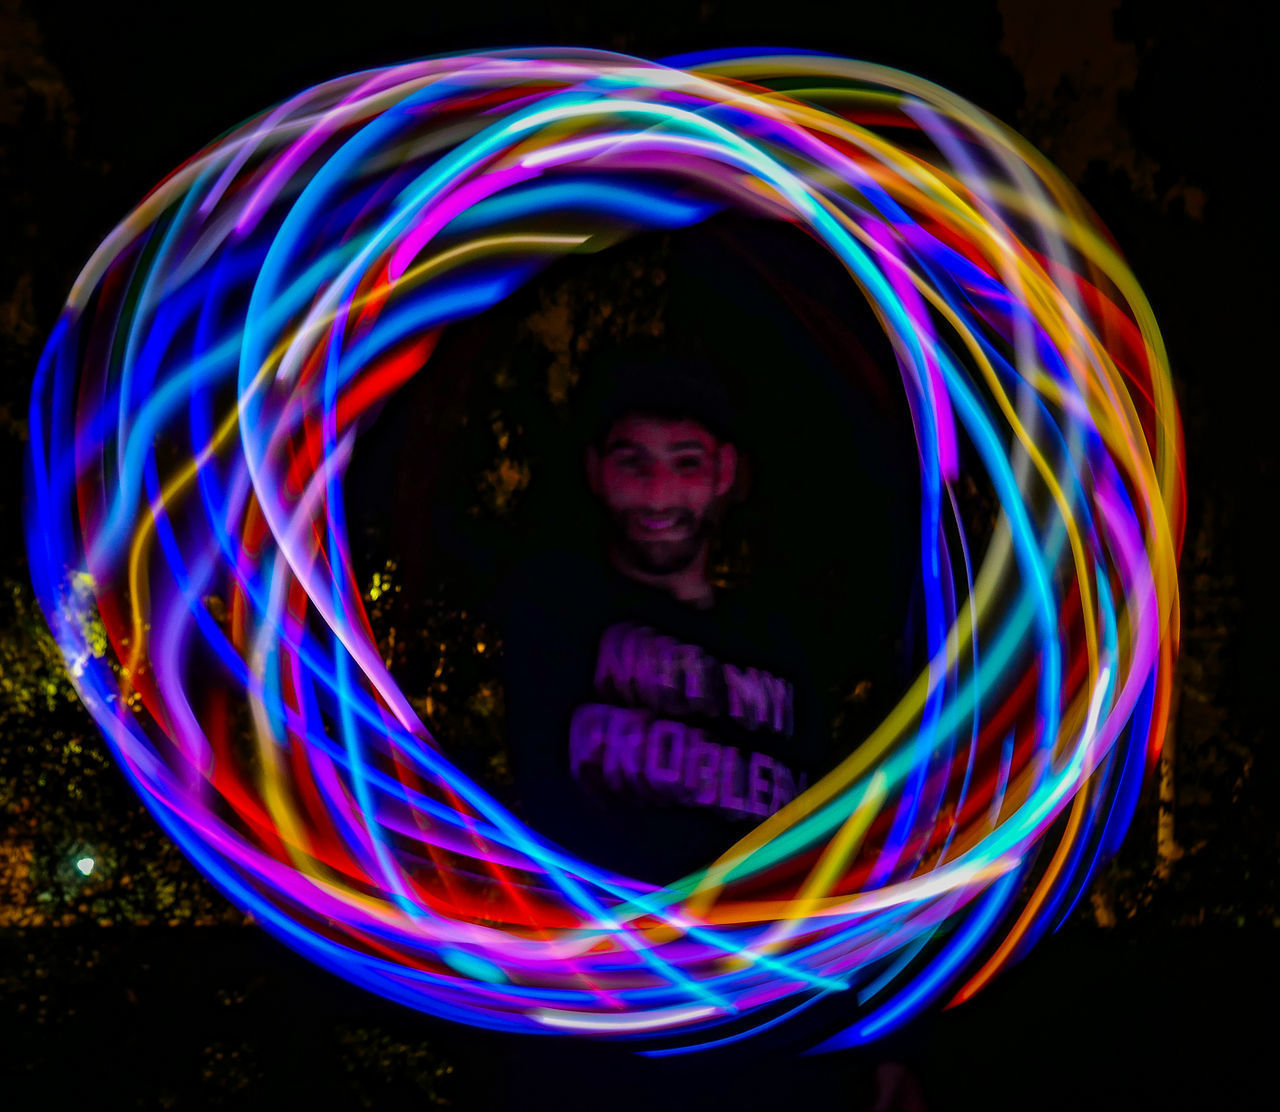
653 719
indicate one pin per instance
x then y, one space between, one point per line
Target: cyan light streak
944 969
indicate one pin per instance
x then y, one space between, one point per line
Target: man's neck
689 585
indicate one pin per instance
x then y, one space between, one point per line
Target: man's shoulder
760 615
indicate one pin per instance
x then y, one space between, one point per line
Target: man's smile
663 526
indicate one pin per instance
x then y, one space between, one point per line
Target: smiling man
653 718
663 481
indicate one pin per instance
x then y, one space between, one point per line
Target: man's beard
661 557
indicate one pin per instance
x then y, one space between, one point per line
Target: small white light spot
85 865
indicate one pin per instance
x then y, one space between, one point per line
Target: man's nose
660 487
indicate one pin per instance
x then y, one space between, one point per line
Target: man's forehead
670 434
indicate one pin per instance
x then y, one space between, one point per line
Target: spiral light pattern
197 404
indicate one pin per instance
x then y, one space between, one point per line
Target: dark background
139 987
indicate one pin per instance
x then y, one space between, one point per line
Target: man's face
662 482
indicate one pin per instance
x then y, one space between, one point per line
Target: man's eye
689 464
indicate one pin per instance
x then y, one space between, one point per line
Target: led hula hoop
198 401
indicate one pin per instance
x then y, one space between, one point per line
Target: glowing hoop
196 405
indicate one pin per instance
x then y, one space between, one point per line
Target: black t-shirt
648 735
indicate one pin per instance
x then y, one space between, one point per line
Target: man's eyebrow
625 444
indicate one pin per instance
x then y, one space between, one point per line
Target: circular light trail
198 402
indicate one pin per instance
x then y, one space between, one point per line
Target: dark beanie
651 381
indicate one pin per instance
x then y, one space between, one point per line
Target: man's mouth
657 524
